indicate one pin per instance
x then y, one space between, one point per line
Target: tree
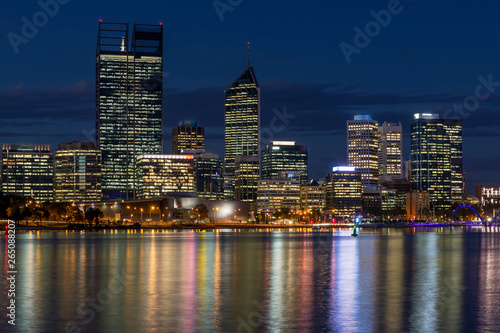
93 214
14 213
202 211
74 213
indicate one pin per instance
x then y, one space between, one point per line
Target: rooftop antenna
248 44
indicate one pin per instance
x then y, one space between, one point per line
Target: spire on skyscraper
248 44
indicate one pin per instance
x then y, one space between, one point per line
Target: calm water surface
387 280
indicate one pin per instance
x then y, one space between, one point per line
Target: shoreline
164 226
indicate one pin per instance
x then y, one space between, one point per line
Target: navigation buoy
355 232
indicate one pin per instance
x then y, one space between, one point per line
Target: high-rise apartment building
284 156
160 175
362 147
77 174
188 136
129 101
436 159
390 151
28 171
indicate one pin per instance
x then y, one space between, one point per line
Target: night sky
427 58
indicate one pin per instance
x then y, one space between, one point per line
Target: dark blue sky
427 58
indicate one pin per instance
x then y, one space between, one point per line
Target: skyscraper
284 156
77 172
390 152
362 147
436 158
241 118
28 171
129 100
187 136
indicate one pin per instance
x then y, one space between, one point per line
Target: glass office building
208 176
390 153
241 119
28 171
436 159
284 156
362 147
77 174
160 175
343 193
129 101
246 178
187 136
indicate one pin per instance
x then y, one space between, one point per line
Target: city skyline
322 106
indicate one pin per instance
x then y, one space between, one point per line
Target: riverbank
63 226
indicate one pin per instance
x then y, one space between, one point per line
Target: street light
141 214
152 208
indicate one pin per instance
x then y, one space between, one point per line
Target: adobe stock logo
372 29
29 30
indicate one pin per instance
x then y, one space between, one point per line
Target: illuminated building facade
394 196
390 152
28 171
436 158
488 194
129 100
187 136
241 125
246 177
274 194
284 156
418 204
312 196
77 174
208 176
343 192
161 175
362 147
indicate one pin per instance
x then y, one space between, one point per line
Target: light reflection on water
390 280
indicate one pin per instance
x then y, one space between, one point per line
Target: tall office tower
454 129
241 122
77 172
208 176
343 192
28 171
390 152
284 156
187 136
129 100
436 158
246 177
362 147
160 175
